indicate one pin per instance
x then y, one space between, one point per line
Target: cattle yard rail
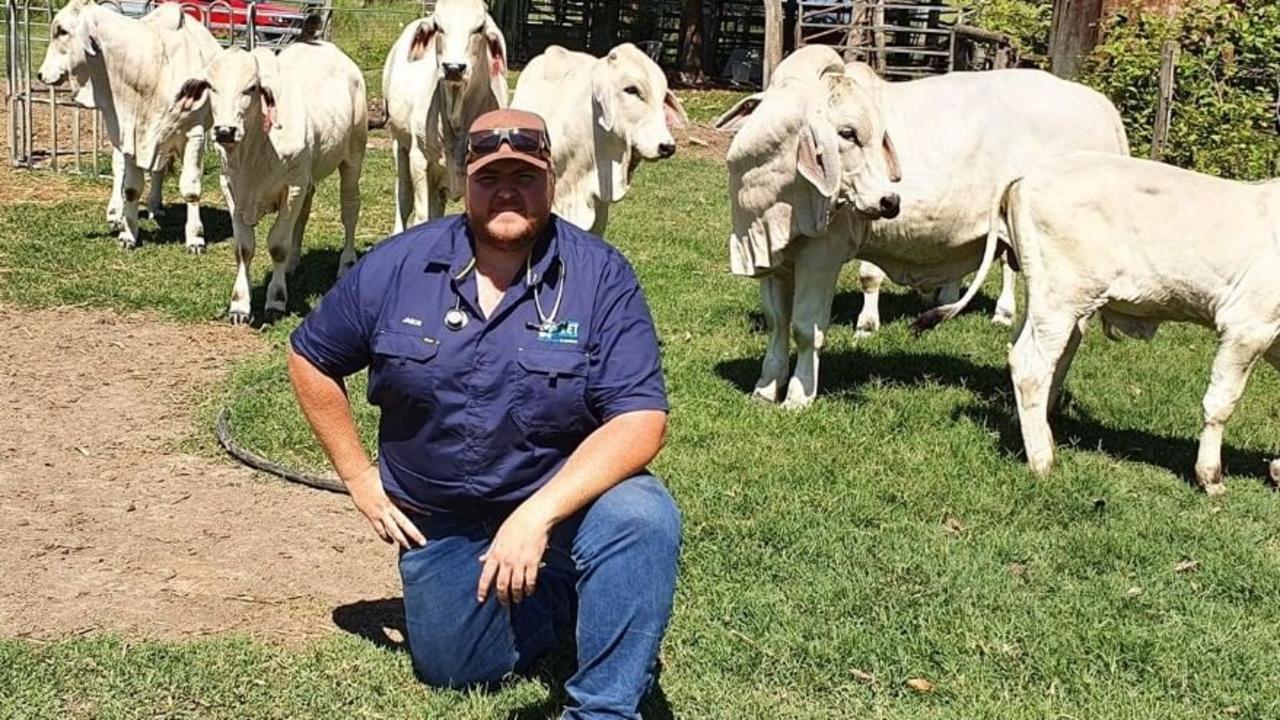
47 129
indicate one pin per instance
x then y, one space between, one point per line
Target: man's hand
387 520
514 557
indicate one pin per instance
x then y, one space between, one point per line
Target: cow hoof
1215 489
271 316
157 214
1002 317
764 396
866 328
238 317
128 243
796 404
1274 471
195 249
114 225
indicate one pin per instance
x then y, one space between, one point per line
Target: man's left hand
511 564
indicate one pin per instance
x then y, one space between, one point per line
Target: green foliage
1026 22
1225 83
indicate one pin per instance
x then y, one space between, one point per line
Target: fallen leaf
1231 710
697 141
1187 565
1134 591
863 677
1018 570
953 526
82 451
920 685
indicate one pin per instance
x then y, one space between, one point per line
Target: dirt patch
47 188
704 142
107 529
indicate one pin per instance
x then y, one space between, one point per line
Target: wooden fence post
772 38
1164 111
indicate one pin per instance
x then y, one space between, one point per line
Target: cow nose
666 150
453 71
224 133
889 206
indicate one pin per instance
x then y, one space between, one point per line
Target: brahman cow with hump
604 116
952 140
1138 243
282 123
443 72
130 70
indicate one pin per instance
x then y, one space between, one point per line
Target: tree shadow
381 622
845 372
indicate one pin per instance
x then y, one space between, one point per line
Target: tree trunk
691 41
1074 34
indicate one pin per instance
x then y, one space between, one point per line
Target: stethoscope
455 319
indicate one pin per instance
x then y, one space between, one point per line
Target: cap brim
506 152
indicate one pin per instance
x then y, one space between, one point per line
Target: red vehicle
274 23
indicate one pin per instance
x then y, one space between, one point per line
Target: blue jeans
609 579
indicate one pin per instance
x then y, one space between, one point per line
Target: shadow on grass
381 622
171 228
901 304
317 272
844 372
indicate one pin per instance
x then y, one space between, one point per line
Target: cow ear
422 38
86 31
733 118
268 98
602 94
891 159
674 111
192 94
497 49
818 159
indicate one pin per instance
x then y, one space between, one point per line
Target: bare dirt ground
107 528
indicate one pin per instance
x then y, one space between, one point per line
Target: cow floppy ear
818 157
496 46
733 118
674 111
422 39
192 94
268 98
602 93
86 30
891 159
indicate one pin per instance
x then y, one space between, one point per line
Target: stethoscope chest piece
455 319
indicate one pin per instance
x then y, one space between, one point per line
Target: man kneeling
516 366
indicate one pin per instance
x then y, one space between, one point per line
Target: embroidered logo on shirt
564 333
411 321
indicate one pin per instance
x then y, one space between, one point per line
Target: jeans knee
447 673
648 517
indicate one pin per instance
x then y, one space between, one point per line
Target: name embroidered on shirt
411 321
564 333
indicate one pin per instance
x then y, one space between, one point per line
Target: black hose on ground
223 429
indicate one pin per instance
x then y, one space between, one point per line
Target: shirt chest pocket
551 396
401 370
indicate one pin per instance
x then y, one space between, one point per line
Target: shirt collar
454 250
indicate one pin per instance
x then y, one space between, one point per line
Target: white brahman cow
443 72
954 139
133 69
282 124
1138 243
604 116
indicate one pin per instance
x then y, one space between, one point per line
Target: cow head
632 102
805 148
71 44
239 89
465 40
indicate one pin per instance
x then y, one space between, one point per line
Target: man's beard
506 242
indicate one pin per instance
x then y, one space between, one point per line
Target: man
516 366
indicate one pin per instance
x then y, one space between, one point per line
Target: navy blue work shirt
475 420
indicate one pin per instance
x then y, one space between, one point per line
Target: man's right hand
371 500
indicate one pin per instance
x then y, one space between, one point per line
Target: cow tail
932 318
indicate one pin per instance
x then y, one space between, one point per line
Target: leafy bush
1224 89
1026 22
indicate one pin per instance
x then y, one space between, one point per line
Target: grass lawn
889 533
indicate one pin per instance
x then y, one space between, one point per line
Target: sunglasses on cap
525 140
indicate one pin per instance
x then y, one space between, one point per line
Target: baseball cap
531 130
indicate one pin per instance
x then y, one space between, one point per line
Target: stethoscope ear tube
456 318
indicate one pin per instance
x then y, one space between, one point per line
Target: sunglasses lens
485 142
527 141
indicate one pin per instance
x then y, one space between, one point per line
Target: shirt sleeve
335 335
626 368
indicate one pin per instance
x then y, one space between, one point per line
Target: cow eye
633 90
251 90
59 31
849 133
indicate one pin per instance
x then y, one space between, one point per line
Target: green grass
892 529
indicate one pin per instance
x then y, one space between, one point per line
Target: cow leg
776 295
426 194
870 277
155 193
245 236
1064 363
817 269
131 189
1007 305
1236 357
1033 365
349 173
189 183
279 238
115 206
947 294
404 186
299 230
